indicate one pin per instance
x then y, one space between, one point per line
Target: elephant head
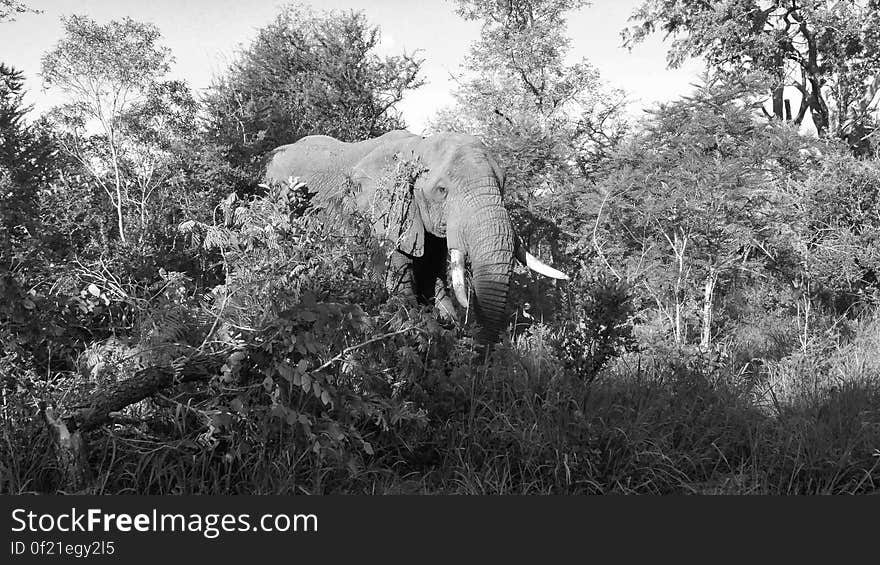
454 198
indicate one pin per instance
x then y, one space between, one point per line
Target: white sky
203 36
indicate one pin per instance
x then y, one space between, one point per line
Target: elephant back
324 163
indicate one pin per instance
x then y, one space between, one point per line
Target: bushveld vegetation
168 325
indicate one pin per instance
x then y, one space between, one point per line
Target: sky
204 35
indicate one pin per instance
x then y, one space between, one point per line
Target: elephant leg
400 277
443 302
420 281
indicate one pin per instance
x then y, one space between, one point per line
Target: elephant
451 211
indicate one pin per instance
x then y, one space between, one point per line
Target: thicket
719 334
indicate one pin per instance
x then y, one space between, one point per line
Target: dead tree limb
68 425
143 384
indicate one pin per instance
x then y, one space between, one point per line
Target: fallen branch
143 384
68 426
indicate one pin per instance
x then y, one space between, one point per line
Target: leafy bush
598 329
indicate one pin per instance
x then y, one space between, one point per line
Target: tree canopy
517 93
307 72
26 155
107 71
8 9
828 50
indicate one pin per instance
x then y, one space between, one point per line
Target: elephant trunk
487 238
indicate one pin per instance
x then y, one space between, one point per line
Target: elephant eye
441 189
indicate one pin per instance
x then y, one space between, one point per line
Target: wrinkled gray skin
456 204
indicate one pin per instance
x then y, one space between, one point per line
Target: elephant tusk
536 264
456 264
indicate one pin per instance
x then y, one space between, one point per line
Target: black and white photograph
452 247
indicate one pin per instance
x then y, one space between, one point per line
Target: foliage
599 329
306 73
547 121
828 250
8 9
309 327
695 200
840 203
24 164
97 61
828 50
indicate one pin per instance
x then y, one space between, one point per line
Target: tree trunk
778 93
708 297
818 107
679 245
807 311
118 181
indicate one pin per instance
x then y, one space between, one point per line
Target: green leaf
237 405
307 316
292 417
222 419
268 384
286 372
280 412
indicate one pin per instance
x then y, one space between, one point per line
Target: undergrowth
329 386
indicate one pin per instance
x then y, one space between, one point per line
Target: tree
694 202
25 160
828 249
107 70
8 9
828 50
26 164
306 73
157 135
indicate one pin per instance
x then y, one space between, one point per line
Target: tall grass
650 422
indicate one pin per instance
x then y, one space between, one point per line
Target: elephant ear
386 177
